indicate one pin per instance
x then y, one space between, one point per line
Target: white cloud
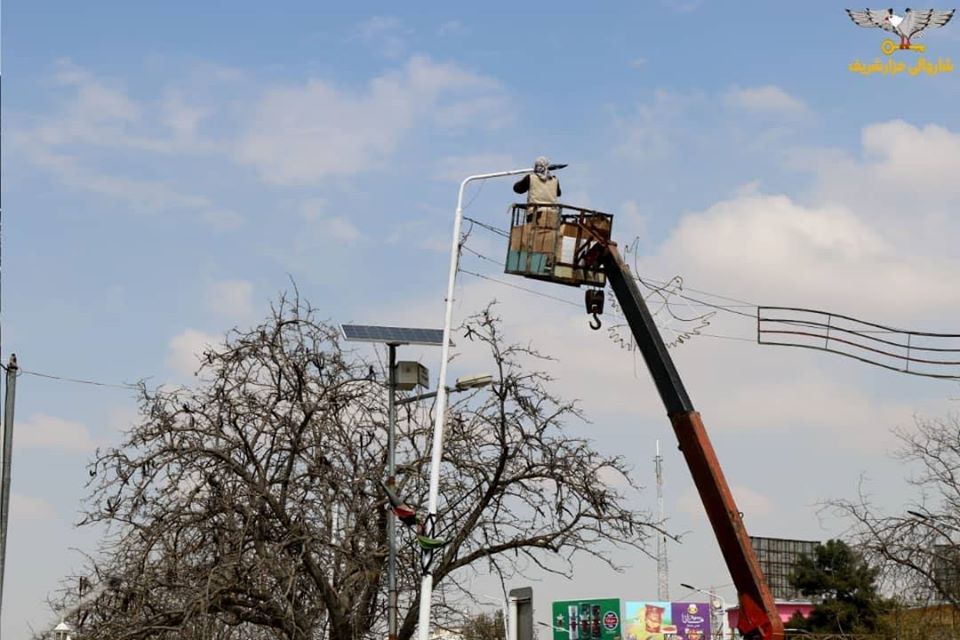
340 228
121 419
302 134
97 115
765 99
613 479
781 252
41 431
918 158
749 501
650 132
231 298
186 350
904 180
320 228
222 219
96 112
182 117
385 33
820 397
141 196
30 508
451 28
631 221
312 209
100 114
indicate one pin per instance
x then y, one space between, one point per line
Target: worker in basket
542 188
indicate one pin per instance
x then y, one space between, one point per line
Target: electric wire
648 282
740 303
476 194
514 286
499 232
50 376
480 255
571 303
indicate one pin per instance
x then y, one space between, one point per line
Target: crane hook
594 303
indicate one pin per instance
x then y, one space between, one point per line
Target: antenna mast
663 568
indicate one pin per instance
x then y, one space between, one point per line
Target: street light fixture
717 607
464 383
393 337
426 588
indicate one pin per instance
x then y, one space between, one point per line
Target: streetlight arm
485 176
426 587
474 382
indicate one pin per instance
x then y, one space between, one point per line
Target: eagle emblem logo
908 26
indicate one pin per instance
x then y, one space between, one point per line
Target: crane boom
758 613
569 245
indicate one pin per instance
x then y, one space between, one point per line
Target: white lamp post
426 588
717 609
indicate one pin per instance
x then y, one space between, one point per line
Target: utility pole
663 568
392 484
7 451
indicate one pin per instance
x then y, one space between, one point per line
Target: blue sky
167 170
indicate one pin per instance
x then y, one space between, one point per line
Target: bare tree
918 550
248 506
484 626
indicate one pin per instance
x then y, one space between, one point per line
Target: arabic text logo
908 27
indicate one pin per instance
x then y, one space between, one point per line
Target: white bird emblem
910 25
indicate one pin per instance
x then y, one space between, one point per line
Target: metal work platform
554 242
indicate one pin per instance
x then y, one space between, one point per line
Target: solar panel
391 335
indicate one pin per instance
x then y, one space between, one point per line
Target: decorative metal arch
919 353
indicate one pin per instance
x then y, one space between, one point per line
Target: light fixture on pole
464 383
414 374
426 587
717 607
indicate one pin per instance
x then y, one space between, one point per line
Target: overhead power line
50 376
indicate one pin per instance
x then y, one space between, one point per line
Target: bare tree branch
249 506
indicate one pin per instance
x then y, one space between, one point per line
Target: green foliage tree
844 587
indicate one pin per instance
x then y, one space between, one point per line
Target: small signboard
667 621
587 619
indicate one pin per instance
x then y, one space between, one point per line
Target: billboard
777 558
587 619
667 621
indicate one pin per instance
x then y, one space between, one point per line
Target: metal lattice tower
663 567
